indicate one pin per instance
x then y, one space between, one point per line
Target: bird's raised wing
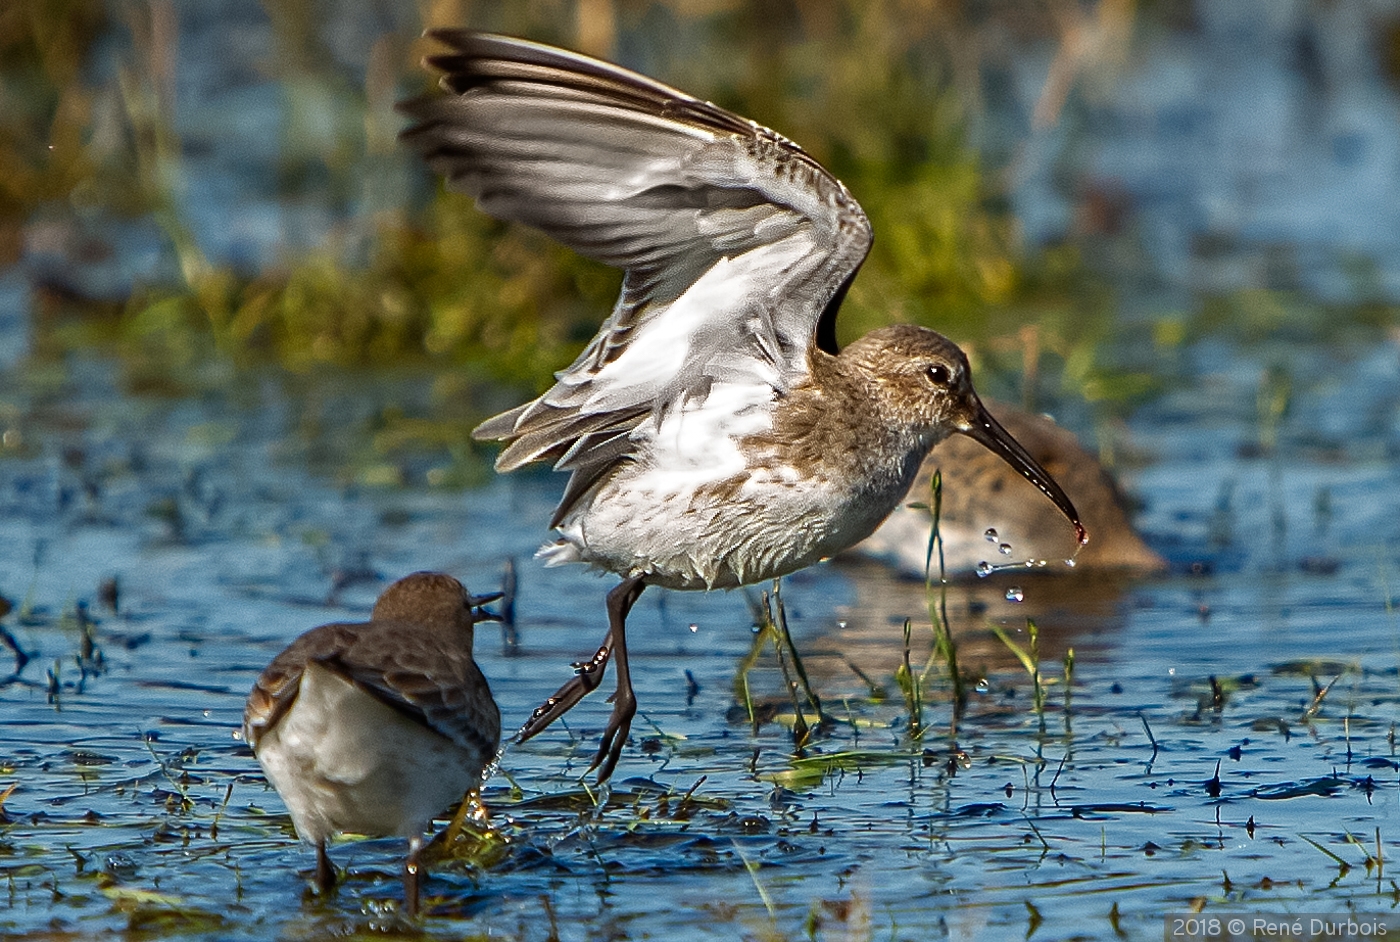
737 245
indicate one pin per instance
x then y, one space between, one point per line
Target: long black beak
987 430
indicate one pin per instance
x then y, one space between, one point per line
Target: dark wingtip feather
501 426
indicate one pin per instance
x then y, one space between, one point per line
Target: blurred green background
211 187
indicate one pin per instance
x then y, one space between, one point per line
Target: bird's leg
588 674
620 602
325 873
411 876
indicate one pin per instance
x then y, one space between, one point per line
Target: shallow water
1229 743
136 809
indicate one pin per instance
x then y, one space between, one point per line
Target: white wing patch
670 355
736 244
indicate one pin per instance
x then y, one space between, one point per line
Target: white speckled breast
768 521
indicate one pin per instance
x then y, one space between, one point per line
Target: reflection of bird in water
715 434
989 514
375 727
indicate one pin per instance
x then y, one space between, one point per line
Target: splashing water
495 764
985 568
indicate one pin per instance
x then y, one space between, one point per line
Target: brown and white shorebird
374 727
714 434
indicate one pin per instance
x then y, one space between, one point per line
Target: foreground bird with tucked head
375 727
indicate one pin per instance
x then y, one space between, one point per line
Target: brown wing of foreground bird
990 516
714 433
374 727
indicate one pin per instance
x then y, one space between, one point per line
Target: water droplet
1004 549
1014 594
841 625
984 569
694 628
1070 563
983 686
991 534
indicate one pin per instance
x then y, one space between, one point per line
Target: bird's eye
939 374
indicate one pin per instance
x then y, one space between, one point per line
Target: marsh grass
944 647
181 797
409 274
1029 657
911 686
771 626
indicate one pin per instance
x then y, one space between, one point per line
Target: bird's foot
590 674
615 735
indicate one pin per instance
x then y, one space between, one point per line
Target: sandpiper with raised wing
714 433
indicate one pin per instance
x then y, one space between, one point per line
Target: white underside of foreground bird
344 761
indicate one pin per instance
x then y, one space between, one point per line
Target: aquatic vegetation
771 626
1029 656
46 110
410 275
944 647
1203 774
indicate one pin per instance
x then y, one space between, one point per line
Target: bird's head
923 384
432 598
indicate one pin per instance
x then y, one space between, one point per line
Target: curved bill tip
988 431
